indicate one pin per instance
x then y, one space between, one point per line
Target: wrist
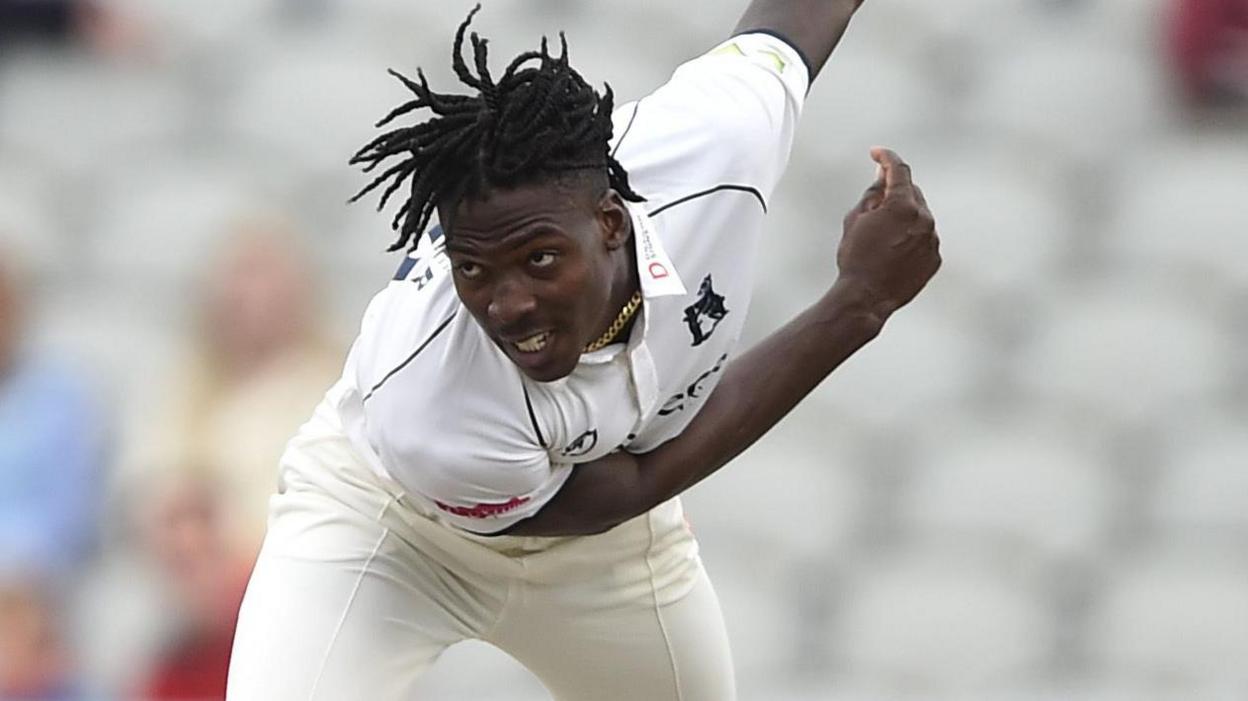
857 303
850 6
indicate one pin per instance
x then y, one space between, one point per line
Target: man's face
536 265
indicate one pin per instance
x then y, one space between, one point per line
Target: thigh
339 607
625 649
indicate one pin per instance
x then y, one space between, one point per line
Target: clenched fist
889 248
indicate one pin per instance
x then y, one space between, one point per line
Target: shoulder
761 60
407 322
738 82
453 400
726 117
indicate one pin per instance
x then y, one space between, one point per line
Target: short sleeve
726 117
773 55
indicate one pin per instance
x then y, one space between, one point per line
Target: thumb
896 172
873 196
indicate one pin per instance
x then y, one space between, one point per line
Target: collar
658 276
658 279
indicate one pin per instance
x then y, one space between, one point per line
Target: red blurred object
1208 44
184 534
194 668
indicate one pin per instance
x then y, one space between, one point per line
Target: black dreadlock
536 121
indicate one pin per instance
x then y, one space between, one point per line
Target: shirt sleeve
727 117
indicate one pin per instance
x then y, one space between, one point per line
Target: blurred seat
763 617
795 261
968 36
192 27
155 226
673 22
72 113
876 98
795 495
120 340
1004 226
981 23
29 226
927 359
311 106
1090 102
1128 346
1176 617
123 306
435 16
771 526
120 618
929 622
1030 482
351 241
1134 24
1202 484
1180 208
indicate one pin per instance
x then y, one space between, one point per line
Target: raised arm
887 254
814 27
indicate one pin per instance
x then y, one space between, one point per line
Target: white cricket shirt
431 402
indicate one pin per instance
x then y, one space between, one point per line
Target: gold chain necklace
626 313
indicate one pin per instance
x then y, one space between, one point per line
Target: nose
510 303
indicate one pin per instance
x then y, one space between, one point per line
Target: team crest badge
584 443
705 314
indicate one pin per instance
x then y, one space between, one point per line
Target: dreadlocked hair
540 119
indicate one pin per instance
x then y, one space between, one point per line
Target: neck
625 282
627 279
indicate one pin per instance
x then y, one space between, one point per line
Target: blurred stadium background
1034 485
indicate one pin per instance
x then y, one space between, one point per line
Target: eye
542 259
468 270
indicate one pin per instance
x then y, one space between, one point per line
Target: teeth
535 343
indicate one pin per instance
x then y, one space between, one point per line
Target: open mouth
533 343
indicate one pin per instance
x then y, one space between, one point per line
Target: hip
321 471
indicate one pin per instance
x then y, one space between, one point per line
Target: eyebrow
508 242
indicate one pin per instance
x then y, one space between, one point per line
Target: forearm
815 27
758 389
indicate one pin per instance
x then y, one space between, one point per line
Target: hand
889 249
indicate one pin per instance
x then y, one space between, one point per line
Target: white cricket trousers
357 591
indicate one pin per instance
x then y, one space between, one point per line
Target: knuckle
903 207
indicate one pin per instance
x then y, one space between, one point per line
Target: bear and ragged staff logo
705 314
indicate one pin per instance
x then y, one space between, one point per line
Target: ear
614 220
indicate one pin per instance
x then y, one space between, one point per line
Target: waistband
322 460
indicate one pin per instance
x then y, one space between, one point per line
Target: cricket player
553 364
